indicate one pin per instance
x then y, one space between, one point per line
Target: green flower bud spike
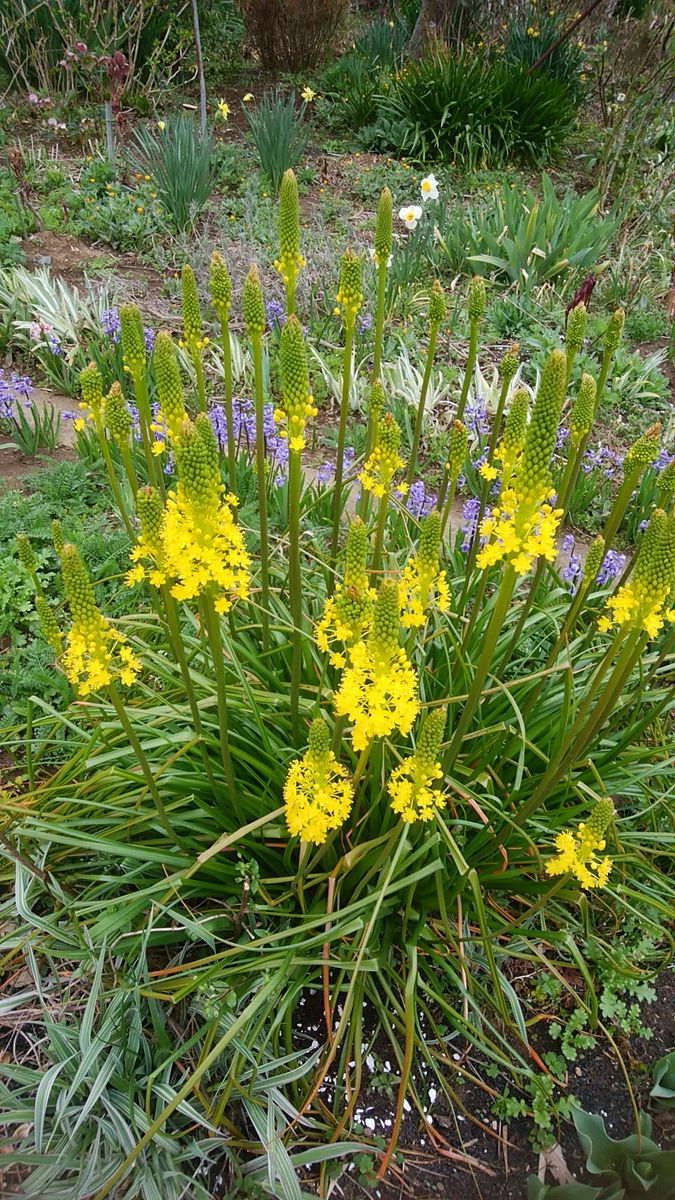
600 819
290 261
666 485
151 518
193 337
221 298
350 289
610 345
641 454
583 410
92 401
594 560
220 286
91 386
169 386
644 451
376 401
117 420
509 363
48 625
318 740
457 449
381 258
386 628
133 340
475 306
134 353
57 537
436 315
534 482
581 423
26 556
253 304
356 551
411 784
349 300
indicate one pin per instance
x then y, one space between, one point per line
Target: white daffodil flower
429 187
410 215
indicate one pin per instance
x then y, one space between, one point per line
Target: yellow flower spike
423 583
148 553
318 791
643 603
577 850
378 689
410 785
203 548
95 654
347 614
378 472
525 525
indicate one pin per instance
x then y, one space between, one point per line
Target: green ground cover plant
328 745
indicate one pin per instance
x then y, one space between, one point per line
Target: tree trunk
432 23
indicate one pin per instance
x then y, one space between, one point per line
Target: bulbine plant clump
335 750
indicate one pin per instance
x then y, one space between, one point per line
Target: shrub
34 36
332 756
183 167
279 134
529 36
291 35
471 111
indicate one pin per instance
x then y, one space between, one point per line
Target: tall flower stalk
290 261
220 286
297 406
253 309
436 315
134 353
91 386
475 307
193 334
349 300
381 257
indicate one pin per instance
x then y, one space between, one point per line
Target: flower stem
492 632
379 539
173 624
196 356
295 584
450 496
485 487
214 634
142 761
468 371
379 319
339 465
229 422
256 344
155 473
417 433
112 479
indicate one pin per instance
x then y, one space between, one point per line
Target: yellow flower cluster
411 784
577 853
378 689
422 582
347 615
96 654
380 468
194 545
345 620
645 600
317 792
519 532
